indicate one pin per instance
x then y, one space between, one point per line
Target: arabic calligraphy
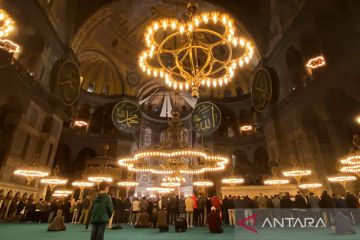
68 82
126 116
261 89
206 118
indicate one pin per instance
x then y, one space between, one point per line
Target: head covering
213 209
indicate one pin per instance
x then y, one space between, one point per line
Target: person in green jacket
101 211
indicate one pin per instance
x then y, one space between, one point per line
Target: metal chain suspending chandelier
200 49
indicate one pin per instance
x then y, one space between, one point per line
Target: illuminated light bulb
175 85
226 81
196 21
215 17
246 59
231 72
229 37
241 62
182 28
230 23
186 86
220 82
155 73
167 76
224 19
242 42
162 74
231 31
181 86
164 24
173 24
190 27
148 71
214 83
156 26
208 83
235 41
203 82
205 18
150 30
233 65
151 54
143 69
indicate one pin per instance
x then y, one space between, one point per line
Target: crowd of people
183 212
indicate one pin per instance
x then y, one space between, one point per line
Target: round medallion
126 116
132 79
206 118
261 89
67 82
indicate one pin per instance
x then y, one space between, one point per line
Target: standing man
101 211
189 207
85 210
201 204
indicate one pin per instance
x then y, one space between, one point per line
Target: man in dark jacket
173 209
101 211
201 204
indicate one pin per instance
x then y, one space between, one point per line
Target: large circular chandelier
297 173
200 49
174 156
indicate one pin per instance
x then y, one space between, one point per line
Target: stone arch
295 65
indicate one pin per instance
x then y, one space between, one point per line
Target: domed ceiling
109 41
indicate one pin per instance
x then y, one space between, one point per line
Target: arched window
147 137
91 87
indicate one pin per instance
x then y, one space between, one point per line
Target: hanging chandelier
342 179
82 184
174 156
310 185
100 178
200 49
203 183
54 180
233 180
7 26
63 191
297 173
31 173
276 181
128 184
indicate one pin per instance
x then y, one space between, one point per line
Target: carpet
77 232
